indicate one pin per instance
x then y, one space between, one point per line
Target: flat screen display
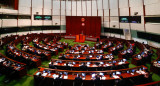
42 17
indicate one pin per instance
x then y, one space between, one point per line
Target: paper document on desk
116 77
1 60
103 78
65 77
55 76
121 63
107 65
142 72
38 73
44 74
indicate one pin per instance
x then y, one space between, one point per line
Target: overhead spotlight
135 13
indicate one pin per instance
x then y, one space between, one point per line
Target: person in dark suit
70 47
83 67
78 81
39 80
85 46
87 58
97 81
52 65
121 82
58 81
63 57
113 67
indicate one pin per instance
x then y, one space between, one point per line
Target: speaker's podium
80 38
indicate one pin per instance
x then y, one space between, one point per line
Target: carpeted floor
28 80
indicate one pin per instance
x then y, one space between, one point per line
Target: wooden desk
157 83
106 78
53 50
155 66
90 57
91 65
45 54
18 67
20 55
127 53
84 52
107 46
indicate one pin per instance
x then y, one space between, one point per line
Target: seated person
40 80
97 81
85 46
83 67
78 81
52 65
70 47
87 58
113 67
58 81
63 57
121 82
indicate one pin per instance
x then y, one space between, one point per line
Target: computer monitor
49 71
83 74
133 70
93 75
65 73
19 65
44 71
114 61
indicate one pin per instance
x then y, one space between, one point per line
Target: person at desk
67 67
83 67
63 57
40 80
121 82
113 67
100 57
97 81
78 81
87 58
52 65
85 45
58 81
70 47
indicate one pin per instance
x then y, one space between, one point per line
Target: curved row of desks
129 52
88 57
155 65
89 65
24 57
48 76
30 49
11 67
143 56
